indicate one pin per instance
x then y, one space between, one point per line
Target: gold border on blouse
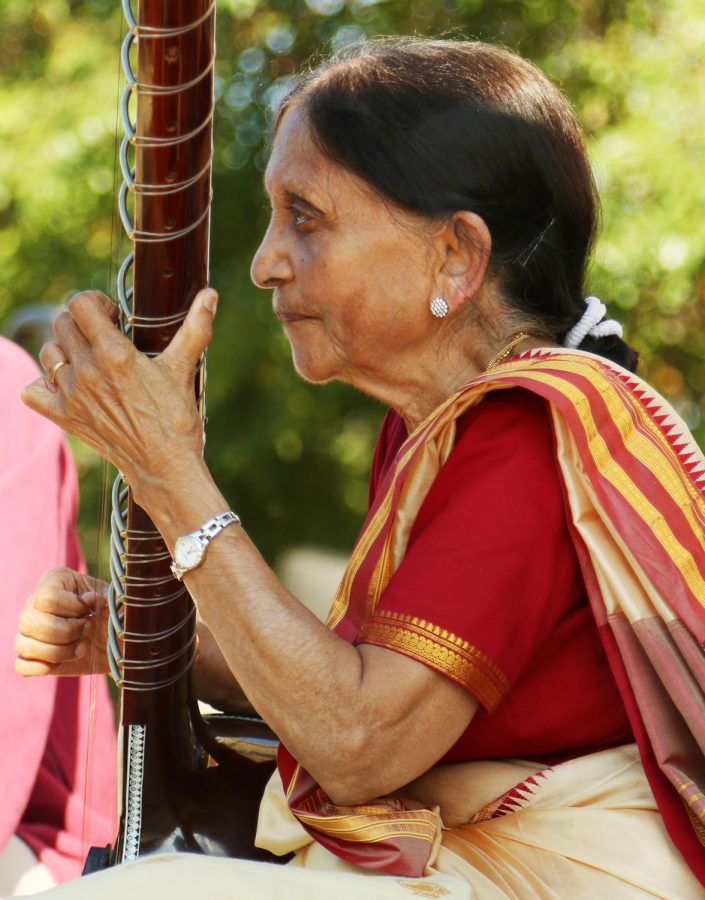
440 649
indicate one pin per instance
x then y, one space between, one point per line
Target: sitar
182 786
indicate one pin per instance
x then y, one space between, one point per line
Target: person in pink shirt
56 801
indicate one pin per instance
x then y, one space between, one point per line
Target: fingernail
86 628
211 302
80 650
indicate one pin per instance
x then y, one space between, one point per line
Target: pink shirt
44 722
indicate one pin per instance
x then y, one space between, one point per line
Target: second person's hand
63 626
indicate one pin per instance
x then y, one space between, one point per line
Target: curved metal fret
163 32
135 234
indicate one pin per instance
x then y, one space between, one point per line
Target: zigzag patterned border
136 739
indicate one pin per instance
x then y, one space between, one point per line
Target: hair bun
592 323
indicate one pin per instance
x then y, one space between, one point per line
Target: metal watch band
215 525
204 535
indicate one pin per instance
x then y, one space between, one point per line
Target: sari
578 830
633 483
633 479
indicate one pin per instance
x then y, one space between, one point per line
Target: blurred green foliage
292 458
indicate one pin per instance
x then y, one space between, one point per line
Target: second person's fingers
57 602
29 649
194 335
43 626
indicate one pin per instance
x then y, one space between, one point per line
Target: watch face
188 551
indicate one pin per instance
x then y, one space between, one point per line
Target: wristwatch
190 549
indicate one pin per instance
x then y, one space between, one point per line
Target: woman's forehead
297 166
294 155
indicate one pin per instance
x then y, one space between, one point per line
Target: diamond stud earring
439 307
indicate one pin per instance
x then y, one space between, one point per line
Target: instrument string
100 552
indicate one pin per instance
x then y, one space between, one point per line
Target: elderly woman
530 531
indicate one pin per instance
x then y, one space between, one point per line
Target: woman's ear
466 246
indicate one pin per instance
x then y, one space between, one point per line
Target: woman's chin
313 369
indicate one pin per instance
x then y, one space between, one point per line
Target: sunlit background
293 459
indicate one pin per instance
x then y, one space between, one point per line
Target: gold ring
54 369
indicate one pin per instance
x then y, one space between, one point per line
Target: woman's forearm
362 720
293 671
214 680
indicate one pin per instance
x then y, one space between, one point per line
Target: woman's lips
289 317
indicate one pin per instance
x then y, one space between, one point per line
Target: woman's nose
270 266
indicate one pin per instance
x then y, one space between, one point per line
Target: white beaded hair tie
592 323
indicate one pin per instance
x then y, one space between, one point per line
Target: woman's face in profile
352 275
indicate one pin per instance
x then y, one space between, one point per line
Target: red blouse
490 591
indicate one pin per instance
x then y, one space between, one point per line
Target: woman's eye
299 217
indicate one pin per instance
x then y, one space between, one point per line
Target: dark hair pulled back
439 126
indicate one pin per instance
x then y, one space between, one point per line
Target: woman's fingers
87 338
51 354
90 310
44 398
194 335
94 316
136 412
69 335
52 358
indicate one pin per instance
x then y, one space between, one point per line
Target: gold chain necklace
506 351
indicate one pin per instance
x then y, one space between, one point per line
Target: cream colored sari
588 828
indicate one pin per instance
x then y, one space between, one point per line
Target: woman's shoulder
514 406
509 427
504 453
504 417
499 419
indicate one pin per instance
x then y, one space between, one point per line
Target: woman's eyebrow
302 201
292 197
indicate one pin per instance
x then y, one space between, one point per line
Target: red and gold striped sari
634 479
